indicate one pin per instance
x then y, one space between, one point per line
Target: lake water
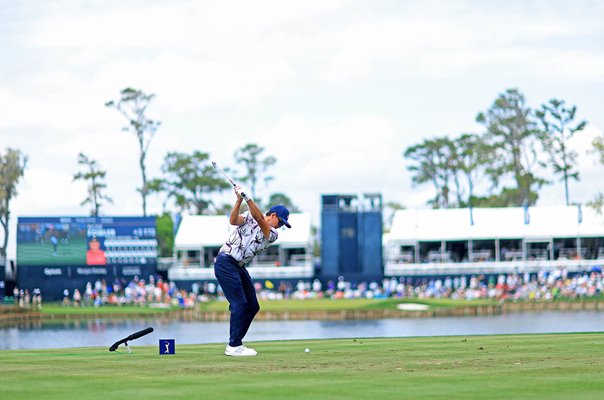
104 332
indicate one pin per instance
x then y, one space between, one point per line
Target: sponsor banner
53 271
132 271
91 271
53 280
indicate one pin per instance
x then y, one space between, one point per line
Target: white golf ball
307 350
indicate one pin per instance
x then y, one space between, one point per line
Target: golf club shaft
217 168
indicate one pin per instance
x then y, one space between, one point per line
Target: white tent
300 233
480 238
198 231
496 223
203 235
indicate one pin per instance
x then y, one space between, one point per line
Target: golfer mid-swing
254 233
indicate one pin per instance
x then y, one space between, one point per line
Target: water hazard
103 332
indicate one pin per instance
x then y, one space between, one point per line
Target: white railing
190 274
296 260
305 271
164 263
256 272
395 269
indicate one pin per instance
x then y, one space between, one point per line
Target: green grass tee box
557 366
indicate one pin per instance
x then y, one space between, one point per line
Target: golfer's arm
236 218
259 217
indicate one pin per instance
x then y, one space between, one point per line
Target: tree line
511 158
188 180
187 183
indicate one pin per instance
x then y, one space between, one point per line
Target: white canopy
300 233
493 223
197 231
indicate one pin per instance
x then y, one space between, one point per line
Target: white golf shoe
239 351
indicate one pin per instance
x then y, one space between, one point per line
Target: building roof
492 223
196 231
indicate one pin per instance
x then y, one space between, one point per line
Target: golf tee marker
167 346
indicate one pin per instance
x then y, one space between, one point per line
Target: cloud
438 41
47 189
181 25
336 90
188 84
355 155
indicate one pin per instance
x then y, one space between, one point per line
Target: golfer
254 233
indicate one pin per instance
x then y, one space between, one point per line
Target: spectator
37 298
66 297
77 298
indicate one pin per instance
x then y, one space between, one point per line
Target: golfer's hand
241 192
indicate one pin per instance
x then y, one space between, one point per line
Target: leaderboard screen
91 241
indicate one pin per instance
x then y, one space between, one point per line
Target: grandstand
199 238
493 240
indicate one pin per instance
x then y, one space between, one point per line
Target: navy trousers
239 290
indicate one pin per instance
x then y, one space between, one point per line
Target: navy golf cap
282 212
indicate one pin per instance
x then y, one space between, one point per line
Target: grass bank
268 305
318 309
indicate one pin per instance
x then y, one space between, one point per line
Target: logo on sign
167 346
52 271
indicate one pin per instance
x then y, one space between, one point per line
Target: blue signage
167 346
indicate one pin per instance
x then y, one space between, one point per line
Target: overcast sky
334 89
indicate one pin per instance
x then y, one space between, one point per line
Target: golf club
125 341
217 168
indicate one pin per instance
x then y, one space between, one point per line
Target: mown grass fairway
567 366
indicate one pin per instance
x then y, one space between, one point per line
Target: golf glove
243 193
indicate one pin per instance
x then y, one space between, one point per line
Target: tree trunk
4 221
144 173
3 248
566 186
470 191
564 164
518 175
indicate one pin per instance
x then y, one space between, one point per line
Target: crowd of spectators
152 292
156 292
27 299
544 285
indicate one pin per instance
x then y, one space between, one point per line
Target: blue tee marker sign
167 346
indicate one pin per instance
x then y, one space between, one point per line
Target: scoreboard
57 253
